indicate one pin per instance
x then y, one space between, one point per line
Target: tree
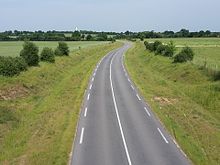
30 53
76 36
185 55
62 49
89 37
47 54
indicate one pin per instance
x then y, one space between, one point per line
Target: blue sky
110 15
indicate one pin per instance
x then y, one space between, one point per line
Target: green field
207 50
185 99
14 48
39 109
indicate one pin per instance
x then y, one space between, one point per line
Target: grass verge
185 100
39 109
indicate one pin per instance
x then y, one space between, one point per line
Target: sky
110 15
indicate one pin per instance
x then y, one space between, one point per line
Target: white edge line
147 111
90 87
85 114
92 79
132 87
81 136
117 114
162 135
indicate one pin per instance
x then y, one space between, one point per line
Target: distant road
116 126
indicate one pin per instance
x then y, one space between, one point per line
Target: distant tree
47 54
76 36
183 33
30 53
89 37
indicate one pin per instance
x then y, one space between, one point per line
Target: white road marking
162 135
132 87
85 114
90 87
88 96
81 136
92 79
117 114
129 80
138 97
147 111
94 74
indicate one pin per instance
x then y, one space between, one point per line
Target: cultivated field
207 50
13 48
185 99
39 109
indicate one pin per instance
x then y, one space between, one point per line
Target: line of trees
84 35
168 50
55 36
29 56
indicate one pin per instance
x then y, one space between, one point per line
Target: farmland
184 98
39 108
206 49
13 48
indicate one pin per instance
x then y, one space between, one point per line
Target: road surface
116 126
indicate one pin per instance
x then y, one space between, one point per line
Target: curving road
116 126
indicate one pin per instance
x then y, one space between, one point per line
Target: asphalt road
116 126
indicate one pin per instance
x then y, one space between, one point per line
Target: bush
47 54
149 46
62 49
160 49
10 66
185 55
156 44
30 53
57 52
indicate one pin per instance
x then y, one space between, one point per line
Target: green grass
13 48
192 116
207 50
38 121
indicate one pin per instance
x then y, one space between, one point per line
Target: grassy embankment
185 100
13 48
39 109
206 50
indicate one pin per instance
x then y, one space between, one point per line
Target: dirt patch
14 92
164 100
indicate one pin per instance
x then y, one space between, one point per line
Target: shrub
166 50
149 46
10 66
57 52
47 54
185 55
62 49
160 49
156 44
30 53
